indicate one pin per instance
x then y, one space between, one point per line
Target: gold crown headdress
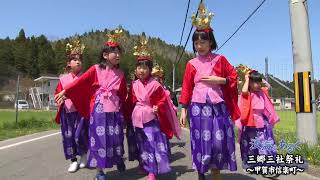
75 47
202 22
243 70
113 38
157 71
141 50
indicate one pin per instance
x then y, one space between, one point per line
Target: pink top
204 66
256 105
258 108
170 101
143 110
65 80
109 81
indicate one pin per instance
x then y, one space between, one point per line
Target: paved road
42 159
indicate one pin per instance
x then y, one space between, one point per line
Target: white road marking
30 140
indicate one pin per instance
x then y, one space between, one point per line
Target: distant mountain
36 56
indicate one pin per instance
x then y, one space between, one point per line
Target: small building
42 94
283 103
276 103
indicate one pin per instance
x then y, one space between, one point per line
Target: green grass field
288 122
28 122
33 121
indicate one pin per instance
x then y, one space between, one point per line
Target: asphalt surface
42 159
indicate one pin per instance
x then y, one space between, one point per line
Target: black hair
255 77
71 57
147 63
202 35
74 56
107 49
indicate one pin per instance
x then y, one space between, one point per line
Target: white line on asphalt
30 140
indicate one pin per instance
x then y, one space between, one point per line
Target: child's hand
183 117
155 109
213 80
246 77
59 98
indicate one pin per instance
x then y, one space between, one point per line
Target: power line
185 45
184 25
242 24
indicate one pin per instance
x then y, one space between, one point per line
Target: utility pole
266 69
173 76
17 98
303 72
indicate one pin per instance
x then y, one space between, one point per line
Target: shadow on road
176 156
131 174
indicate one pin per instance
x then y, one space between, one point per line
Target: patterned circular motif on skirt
68 133
151 157
110 130
199 157
206 134
219 135
91 120
118 150
93 162
144 155
193 144
149 136
205 159
195 111
92 141
219 157
99 108
102 152
229 132
110 152
117 130
161 147
223 108
100 130
233 156
206 111
196 134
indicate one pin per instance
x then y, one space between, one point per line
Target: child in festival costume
210 92
258 116
99 95
74 129
152 116
158 74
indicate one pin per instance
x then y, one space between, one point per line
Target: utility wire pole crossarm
303 72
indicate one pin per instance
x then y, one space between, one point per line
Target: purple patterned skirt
74 130
106 137
212 137
152 148
257 141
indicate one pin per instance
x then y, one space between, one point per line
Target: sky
266 34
